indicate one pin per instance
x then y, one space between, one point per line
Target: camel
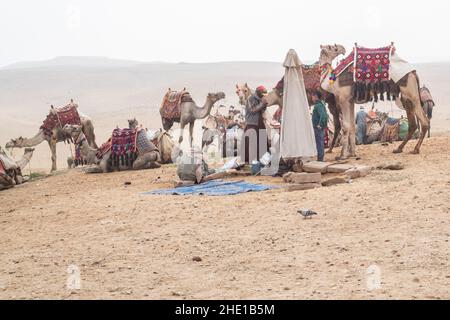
220 126
11 171
275 98
409 100
147 160
191 112
57 135
163 140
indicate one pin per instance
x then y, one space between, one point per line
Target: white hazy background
211 31
117 58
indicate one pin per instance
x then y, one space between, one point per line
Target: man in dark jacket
255 131
320 123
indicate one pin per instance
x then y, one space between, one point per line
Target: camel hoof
415 152
397 151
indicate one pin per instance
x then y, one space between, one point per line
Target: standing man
320 123
254 126
361 122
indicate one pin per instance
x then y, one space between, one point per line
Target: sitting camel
163 141
103 162
11 171
189 112
54 133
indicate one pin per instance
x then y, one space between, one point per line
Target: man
254 126
320 123
361 122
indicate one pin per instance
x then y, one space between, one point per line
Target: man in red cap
254 126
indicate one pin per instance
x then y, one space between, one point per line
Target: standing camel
55 135
189 112
409 100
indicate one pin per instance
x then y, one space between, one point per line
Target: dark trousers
320 143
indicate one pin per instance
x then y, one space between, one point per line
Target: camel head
243 92
133 123
73 131
214 97
331 52
15 143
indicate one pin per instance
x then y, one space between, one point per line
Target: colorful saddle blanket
60 117
171 105
123 146
371 73
311 76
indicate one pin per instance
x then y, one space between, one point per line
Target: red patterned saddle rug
60 117
123 146
311 76
104 149
170 107
371 74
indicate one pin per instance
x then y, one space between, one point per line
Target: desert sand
252 246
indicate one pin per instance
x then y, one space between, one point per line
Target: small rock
127 183
197 259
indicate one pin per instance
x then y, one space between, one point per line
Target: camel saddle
59 117
368 72
171 105
425 96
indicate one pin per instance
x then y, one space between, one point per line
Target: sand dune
112 91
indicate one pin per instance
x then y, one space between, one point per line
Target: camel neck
22 163
274 99
203 112
85 149
34 141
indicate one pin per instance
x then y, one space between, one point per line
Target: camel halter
325 69
78 142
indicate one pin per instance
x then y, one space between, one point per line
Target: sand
252 246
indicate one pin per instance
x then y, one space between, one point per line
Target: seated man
193 169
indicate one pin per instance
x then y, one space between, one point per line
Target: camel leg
146 161
337 131
352 133
191 133
424 124
52 145
346 123
411 129
182 125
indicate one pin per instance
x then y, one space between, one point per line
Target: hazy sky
213 30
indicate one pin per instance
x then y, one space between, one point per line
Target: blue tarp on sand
214 188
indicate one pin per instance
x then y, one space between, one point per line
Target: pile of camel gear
11 170
192 168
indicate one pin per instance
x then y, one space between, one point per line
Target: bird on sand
306 213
